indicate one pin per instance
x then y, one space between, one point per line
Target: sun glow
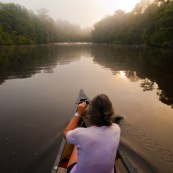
122 74
112 5
127 6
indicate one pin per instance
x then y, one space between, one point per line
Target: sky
81 12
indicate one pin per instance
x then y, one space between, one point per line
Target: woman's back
96 148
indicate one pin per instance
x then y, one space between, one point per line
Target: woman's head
100 111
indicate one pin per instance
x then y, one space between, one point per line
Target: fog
81 12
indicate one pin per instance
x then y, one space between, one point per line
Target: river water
39 85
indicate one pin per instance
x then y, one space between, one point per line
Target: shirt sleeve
71 136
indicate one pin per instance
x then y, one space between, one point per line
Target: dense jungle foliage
149 23
20 26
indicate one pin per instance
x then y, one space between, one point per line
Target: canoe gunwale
81 96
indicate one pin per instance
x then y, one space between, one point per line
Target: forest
149 23
21 26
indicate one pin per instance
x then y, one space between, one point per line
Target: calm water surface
39 85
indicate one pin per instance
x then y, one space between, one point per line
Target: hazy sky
82 12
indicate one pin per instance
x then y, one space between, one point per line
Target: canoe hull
65 148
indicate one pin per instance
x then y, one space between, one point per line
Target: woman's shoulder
115 126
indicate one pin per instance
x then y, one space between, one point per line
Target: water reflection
26 61
151 65
35 109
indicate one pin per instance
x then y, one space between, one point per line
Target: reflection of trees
25 61
151 65
132 75
1 81
147 85
166 100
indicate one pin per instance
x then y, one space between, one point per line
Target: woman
96 146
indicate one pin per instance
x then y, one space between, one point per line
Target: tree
141 6
149 23
20 26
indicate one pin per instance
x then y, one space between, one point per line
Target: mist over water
39 86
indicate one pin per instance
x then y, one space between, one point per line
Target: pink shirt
96 148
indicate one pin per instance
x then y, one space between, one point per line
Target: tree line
150 23
21 26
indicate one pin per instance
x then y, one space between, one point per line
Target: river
39 85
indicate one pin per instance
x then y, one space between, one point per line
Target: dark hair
100 111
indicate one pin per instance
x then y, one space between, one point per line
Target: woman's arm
74 121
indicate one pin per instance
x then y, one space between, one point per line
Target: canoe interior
68 148
65 148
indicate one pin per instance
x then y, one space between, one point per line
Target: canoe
121 162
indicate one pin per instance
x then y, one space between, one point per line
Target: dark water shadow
45 160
